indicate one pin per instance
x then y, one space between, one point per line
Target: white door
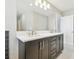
67 28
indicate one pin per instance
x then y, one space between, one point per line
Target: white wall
67 29
10 24
68 12
54 22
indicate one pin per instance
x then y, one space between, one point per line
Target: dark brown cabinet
55 46
52 48
21 50
28 50
32 50
45 48
59 43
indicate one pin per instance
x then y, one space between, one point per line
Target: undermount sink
35 35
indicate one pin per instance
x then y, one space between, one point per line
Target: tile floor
67 53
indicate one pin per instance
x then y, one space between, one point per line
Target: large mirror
31 18
40 22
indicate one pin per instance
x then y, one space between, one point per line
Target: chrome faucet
33 33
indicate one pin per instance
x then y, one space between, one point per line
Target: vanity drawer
53 56
53 42
53 51
52 47
53 39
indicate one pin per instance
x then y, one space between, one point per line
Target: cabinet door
45 49
43 52
21 50
58 44
61 42
32 50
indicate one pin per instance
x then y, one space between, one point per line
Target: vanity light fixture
42 4
45 8
36 3
39 1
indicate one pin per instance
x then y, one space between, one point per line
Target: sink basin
35 35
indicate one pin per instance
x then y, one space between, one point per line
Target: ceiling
63 5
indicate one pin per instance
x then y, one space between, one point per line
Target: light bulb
40 1
44 3
36 3
48 6
41 6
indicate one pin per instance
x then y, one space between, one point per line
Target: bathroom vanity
47 46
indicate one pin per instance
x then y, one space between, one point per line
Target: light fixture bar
42 4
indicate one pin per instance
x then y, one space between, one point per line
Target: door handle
43 43
40 45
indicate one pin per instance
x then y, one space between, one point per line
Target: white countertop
24 37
